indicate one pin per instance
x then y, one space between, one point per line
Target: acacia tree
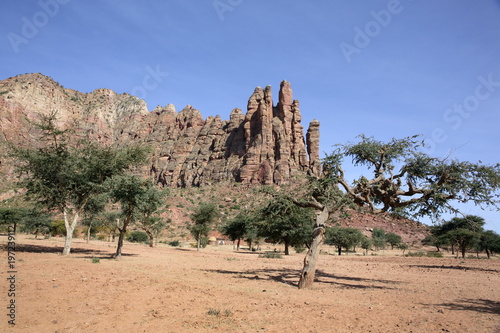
36 221
203 217
149 210
343 237
393 239
281 221
130 191
489 241
65 177
12 216
405 181
238 227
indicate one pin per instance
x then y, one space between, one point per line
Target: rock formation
265 145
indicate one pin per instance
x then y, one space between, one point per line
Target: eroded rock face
265 145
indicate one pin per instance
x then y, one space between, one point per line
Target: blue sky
383 68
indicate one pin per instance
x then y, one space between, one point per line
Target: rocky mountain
264 145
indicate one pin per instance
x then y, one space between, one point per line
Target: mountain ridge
264 145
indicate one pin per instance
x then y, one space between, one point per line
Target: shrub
299 249
174 243
271 255
96 260
416 254
435 254
138 237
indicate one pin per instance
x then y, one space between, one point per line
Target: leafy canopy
410 182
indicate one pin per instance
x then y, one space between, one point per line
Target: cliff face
265 145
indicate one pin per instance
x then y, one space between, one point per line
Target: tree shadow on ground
58 249
460 268
291 277
477 305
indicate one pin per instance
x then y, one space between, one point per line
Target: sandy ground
169 289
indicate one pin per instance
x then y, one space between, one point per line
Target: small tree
366 244
489 241
435 240
281 221
464 238
393 239
129 191
379 237
12 216
66 177
203 217
404 247
343 238
149 210
238 227
36 221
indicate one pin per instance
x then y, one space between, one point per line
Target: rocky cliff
265 145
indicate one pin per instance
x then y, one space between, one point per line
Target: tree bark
69 231
287 251
118 253
121 237
238 244
309 270
88 232
151 238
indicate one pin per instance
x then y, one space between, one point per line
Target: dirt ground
168 289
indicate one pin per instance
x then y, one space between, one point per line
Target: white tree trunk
69 231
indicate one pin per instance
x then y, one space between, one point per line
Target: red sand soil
168 289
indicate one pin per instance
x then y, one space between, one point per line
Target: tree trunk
463 252
340 250
199 242
309 270
151 239
287 252
88 231
238 245
121 237
69 231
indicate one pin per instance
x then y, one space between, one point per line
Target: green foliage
299 249
464 232
96 260
137 237
57 228
149 210
425 254
379 238
36 221
205 213
175 243
65 177
464 238
343 237
240 227
489 241
271 255
203 217
393 239
366 244
408 182
282 221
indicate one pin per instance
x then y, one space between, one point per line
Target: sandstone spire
265 145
